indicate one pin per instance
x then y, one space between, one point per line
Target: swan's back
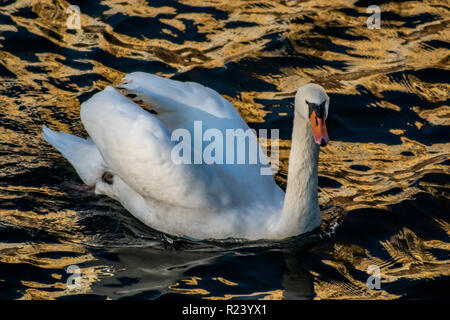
182 104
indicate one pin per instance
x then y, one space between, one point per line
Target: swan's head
311 103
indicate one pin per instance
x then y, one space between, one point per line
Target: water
384 178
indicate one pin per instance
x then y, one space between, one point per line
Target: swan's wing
179 104
137 147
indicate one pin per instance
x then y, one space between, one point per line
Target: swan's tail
82 154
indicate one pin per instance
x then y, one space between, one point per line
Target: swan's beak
319 129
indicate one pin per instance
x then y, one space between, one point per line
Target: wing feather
137 147
185 102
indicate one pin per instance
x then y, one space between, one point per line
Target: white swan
128 158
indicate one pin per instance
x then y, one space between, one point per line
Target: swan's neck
301 207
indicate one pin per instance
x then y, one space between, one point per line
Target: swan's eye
310 107
319 109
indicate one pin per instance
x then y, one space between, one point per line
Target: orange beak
319 129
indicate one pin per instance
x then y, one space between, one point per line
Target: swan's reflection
150 273
298 284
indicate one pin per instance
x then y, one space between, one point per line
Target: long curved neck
301 207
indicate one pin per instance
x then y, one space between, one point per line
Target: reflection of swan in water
297 284
130 159
149 273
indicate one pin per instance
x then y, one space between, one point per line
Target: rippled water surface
384 178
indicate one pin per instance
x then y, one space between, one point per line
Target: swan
128 157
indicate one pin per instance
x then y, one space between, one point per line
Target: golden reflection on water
194 281
366 59
405 249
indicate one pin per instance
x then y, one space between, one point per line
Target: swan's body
129 159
